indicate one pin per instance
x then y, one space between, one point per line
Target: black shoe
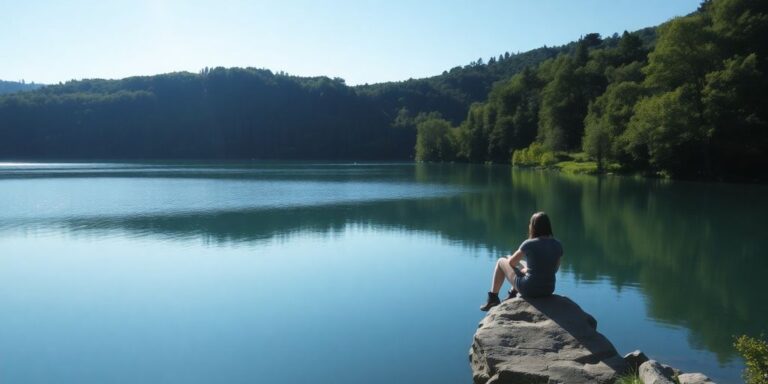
493 300
511 294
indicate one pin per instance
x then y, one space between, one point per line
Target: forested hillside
684 99
219 113
245 113
693 106
239 113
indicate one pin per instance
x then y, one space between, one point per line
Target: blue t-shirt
542 255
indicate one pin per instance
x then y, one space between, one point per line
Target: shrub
755 354
547 159
533 156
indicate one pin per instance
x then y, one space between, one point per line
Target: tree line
235 113
240 113
690 106
683 99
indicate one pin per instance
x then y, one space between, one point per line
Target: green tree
561 104
755 354
472 138
516 104
564 102
740 26
628 72
666 133
685 52
630 48
607 120
433 139
734 102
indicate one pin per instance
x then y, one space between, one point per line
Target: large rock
694 378
545 340
651 372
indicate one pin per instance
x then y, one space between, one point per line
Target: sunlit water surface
350 273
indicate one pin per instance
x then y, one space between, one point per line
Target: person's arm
515 260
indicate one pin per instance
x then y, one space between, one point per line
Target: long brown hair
539 226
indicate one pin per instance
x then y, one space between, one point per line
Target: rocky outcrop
544 340
552 340
694 378
652 372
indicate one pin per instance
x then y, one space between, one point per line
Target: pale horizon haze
359 41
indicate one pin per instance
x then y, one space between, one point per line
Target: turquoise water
349 273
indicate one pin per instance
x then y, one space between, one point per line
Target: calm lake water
350 273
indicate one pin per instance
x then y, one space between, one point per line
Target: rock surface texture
652 372
544 340
694 378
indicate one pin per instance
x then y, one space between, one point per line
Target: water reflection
695 250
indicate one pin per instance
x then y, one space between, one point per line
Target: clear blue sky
358 40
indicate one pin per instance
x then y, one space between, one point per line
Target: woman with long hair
536 276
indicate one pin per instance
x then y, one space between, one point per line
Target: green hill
686 103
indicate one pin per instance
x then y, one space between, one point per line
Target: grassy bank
576 163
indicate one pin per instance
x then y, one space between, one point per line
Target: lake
181 272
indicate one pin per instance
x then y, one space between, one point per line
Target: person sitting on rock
535 278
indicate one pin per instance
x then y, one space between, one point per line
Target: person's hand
524 270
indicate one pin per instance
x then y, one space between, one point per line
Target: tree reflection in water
696 250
